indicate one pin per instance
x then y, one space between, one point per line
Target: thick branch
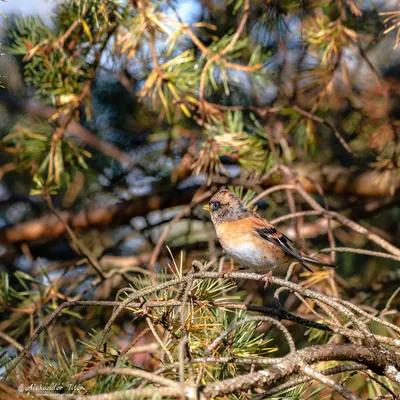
49 226
292 364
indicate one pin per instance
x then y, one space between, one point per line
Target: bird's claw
268 279
222 274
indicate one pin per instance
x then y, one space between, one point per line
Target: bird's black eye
215 205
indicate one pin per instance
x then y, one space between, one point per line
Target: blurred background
120 119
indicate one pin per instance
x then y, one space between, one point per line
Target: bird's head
225 206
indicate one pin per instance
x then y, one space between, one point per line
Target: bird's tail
314 261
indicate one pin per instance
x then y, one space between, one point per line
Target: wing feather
266 231
272 235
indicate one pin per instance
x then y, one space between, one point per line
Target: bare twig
311 372
79 245
361 251
155 334
127 372
304 379
177 218
327 124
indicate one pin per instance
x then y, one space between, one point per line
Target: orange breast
237 238
232 232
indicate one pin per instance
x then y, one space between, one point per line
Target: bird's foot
268 279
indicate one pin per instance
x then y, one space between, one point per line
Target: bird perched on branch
250 239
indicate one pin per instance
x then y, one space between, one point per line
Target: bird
251 240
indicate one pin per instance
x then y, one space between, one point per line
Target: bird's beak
207 208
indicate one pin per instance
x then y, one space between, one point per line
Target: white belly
250 256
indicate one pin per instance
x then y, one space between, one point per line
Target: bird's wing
266 231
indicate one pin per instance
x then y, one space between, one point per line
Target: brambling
250 239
